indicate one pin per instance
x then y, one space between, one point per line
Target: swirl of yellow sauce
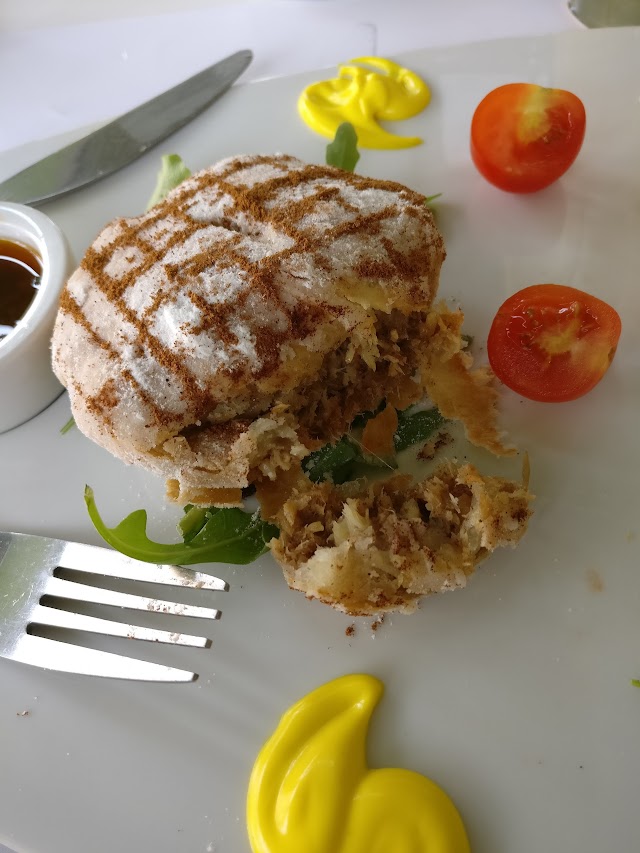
364 96
311 790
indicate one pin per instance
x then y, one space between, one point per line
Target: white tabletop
71 64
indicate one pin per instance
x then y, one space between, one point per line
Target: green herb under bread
416 427
225 536
69 425
173 172
333 461
343 151
431 198
346 460
192 522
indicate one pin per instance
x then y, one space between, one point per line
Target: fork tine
56 618
97 595
100 561
52 654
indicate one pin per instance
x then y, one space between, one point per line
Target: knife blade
123 140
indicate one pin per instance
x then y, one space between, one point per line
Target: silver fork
31 593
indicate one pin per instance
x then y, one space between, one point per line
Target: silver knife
124 140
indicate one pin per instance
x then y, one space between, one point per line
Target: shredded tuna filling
347 385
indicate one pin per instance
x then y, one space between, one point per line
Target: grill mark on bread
101 405
160 417
311 172
214 317
95 260
71 307
172 362
68 305
367 222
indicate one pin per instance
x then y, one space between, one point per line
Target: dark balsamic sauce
20 272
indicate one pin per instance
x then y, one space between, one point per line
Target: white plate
514 694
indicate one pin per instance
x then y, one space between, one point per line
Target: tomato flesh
553 343
524 137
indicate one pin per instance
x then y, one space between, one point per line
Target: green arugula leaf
172 173
69 425
417 427
227 536
635 682
331 460
345 459
192 522
343 152
431 198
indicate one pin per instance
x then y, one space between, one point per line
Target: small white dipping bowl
27 383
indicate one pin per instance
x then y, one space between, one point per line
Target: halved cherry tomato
524 137
553 343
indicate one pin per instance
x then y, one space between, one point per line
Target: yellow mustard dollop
364 96
311 790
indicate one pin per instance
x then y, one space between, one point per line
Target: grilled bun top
234 286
